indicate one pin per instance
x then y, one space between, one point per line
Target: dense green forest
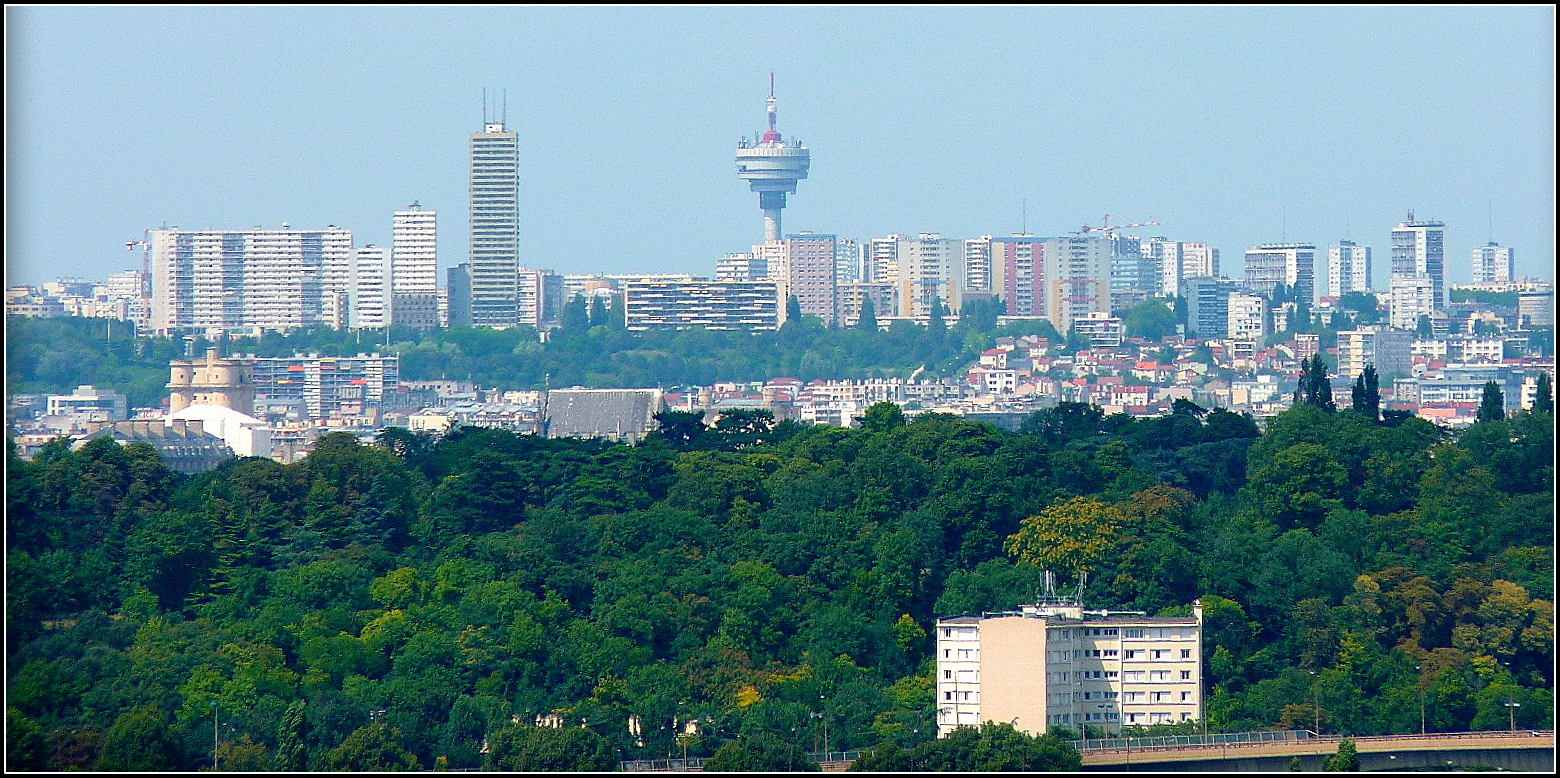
57 355
398 605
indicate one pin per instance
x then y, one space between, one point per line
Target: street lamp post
1421 699
1511 713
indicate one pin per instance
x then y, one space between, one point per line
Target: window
1134 633
1159 675
1132 675
947 632
1110 652
1159 696
1158 653
947 673
948 696
1110 632
947 653
1186 653
1132 653
1186 696
1110 673
1186 675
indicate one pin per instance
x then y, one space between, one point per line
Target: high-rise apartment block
495 226
369 292
1410 297
979 275
930 271
1051 665
1248 316
414 268
1290 264
1178 261
1348 268
1080 285
1021 275
1208 306
1491 264
809 270
849 258
249 281
1418 249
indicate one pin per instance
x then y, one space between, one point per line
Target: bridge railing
1189 741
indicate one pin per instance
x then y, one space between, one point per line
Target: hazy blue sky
1234 126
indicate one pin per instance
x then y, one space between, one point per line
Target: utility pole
1511 713
214 714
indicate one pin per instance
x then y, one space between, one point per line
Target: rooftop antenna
1492 221
1083 578
771 101
503 113
1023 223
484 106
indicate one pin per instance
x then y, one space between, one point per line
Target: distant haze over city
1235 127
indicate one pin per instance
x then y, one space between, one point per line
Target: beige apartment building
1059 665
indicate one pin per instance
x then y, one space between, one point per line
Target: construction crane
1109 230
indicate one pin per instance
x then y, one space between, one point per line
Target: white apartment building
248 281
978 271
1390 350
414 268
1410 297
1247 316
415 252
1491 264
369 293
1348 268
1059 665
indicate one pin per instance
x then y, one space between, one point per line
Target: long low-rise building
747 306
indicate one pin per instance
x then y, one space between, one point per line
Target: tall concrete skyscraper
772 169
1418 249
495 223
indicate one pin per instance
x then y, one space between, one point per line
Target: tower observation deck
771 168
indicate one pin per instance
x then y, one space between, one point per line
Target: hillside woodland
421 604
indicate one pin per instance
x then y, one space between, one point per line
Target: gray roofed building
185 446
617 414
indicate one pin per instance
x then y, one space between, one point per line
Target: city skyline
1206 123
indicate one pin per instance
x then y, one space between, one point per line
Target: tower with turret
771 167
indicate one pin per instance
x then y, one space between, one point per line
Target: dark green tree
868 320
576 315
375 748
882 417
990 748
682 429
1543 398
760 752
140 741
598 311
1314 387
1492 406
291 753
1151 320
1424 329
521 748
1347 760
793 310
1367 393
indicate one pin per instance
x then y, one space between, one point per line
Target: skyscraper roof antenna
503 113
484 106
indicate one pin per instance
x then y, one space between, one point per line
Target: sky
1236 126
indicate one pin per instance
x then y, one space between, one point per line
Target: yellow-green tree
1072 536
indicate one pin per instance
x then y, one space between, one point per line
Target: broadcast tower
772 169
